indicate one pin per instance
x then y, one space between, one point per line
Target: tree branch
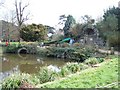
2 2
19 12
24 7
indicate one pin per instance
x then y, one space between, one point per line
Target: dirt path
108 51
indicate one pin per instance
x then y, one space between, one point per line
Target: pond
26 63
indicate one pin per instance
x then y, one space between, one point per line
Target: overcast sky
47 12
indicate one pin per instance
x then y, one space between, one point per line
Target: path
108 51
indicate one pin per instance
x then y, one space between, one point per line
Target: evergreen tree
70 22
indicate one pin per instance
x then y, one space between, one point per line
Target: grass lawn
97 77
1 51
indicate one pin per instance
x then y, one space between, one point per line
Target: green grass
101 76
1 50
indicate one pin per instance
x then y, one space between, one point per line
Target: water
26 63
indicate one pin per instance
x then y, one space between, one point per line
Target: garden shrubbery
76 45
77 54
73 67
64 71
46 75
14 46
91 61
65 45
17 80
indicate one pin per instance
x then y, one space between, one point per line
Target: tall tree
77 30
113 11
61 23
109 27
20 11
70 22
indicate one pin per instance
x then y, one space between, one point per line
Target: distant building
8 31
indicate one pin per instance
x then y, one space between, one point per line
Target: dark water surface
26 63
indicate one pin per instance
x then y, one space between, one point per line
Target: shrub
88 51
77 54
60 52
83 66
12 48
42 51
91 61
16 80
76 44
64 71
73 67
46 75
100 60
65 45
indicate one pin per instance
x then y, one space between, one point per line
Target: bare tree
10 20
10 17
20 11
1 2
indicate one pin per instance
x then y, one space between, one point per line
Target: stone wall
91 38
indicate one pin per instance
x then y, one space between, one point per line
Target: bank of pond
75 52
92 73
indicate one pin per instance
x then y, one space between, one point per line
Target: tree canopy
109 27
70 22
33 32
115 11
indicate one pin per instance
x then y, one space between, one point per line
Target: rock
53 68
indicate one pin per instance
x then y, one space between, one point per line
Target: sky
47 12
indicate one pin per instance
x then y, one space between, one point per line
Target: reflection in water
40 60
7 73
27 63
23 56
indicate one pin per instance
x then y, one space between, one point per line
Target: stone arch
89 31
23 50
